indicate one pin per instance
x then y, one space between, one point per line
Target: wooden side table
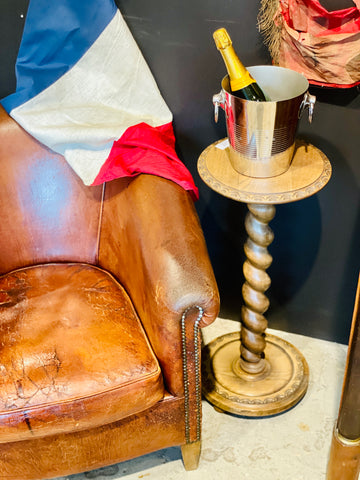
252 373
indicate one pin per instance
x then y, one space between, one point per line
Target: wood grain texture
309 172
344 459
257 281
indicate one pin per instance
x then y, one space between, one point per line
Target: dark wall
316 247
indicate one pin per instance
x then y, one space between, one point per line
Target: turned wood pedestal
252 373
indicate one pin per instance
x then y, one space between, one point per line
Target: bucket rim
254 71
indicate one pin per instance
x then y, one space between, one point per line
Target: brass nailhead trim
197 374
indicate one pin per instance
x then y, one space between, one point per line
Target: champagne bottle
242 84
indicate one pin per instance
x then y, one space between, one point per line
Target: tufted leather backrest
47 214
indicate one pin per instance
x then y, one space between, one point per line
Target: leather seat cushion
73 353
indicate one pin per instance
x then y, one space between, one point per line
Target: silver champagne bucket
262 134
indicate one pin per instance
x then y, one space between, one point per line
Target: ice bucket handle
308 102
218 101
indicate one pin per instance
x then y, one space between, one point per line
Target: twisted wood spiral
257 281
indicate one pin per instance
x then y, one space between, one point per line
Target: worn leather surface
64 454
46 212
73 352
170 263
62 403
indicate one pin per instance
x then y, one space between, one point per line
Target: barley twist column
252 372
257 282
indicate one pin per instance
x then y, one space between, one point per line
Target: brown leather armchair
102 293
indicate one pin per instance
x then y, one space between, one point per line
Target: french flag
85 91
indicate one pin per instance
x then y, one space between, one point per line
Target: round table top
309 172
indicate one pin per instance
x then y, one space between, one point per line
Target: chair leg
344 460
191 455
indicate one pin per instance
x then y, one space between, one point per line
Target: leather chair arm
152 241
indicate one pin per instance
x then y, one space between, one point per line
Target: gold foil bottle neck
222 39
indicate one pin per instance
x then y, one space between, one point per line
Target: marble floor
290 446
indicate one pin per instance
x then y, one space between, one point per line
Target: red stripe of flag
146 149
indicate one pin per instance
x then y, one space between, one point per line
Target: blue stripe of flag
56 35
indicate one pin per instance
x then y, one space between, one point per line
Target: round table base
280 386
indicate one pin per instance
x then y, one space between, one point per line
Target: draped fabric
85 91
304 36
